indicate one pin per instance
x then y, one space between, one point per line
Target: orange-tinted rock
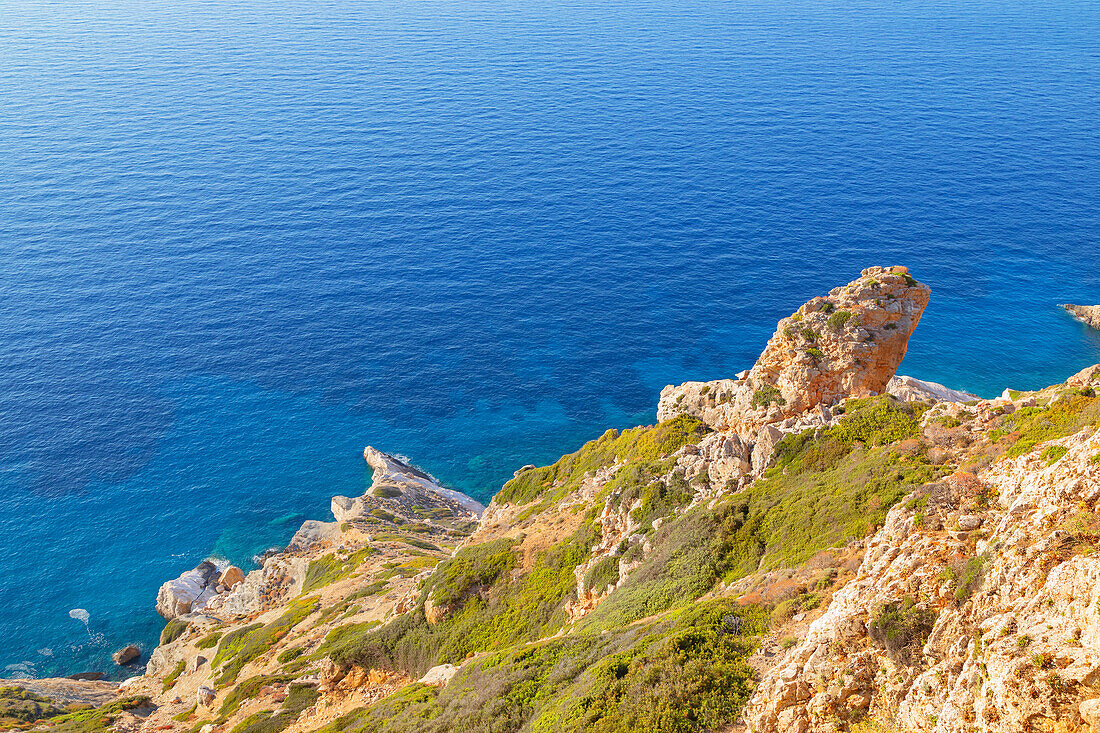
846 344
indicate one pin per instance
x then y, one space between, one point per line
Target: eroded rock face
1090 314
846 344
1017 653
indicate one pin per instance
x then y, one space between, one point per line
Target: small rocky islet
816 545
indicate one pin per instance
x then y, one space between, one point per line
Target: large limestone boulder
909 389
846 344
189 592
231 577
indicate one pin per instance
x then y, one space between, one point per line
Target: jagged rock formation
976 607
1089 314
847 344
398 484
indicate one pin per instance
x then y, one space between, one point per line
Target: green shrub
95 720
298 699
174 675
838 320
208 641
878 421
637 444
602 574
900 628
173 630
472 567
248 690
1042 660
19 706
1039 424
290 654
967 576
684 672
507 610
766 395
329 568
815 353
1054 453
240 647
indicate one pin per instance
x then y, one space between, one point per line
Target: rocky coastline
1087 314
817 545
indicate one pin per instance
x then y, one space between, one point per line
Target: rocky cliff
817 545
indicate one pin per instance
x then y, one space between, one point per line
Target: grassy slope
825 490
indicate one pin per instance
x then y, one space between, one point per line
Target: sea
242 239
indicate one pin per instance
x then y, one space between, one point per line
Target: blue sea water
241 239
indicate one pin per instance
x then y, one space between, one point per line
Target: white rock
439 676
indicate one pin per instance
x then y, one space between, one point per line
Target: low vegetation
901 628
20 708
94 720
298 699
1028 426
644 444
330 568
686 671
489 609
173 630
239 647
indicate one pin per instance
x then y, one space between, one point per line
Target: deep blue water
240 240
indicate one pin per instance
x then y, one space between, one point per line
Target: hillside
816 545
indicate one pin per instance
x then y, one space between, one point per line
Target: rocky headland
1088 314
814 545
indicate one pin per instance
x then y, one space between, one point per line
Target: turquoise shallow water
240 240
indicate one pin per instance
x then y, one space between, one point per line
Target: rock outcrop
925 562
405 485
835 347
67 691
189 592
846 344
1089 314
